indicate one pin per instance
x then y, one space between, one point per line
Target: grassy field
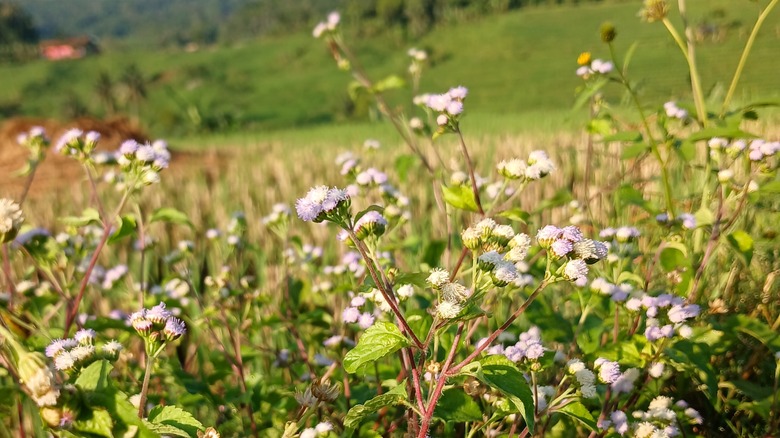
527 67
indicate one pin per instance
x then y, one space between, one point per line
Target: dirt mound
55 168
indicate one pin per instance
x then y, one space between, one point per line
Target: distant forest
181 22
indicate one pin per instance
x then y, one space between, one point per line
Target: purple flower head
158 314
571 233
609 371
174 328
350 314
85 336
460 92
547 235
365 320
561 247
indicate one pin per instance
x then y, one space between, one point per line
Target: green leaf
720 131
433 252
756 329
634 150
629 195
88 216
403 164
632 136
95 377
770 187
167 430
395 396
126 228
742 242
97 423
704 217
600 126
579 412
176 417
516 214
389 83
377 208
500 373
170 215
457 406
415 278
461 197
378 341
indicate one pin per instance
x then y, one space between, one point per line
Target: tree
16 25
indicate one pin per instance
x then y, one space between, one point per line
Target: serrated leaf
395 396
516 214
176 417
126 228
167 430
378 341
461 197
457 406
97 423
579 412
743 243
88 216
170 215
500 373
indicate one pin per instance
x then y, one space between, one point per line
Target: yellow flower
584 58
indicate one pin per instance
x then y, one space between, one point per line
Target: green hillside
516 63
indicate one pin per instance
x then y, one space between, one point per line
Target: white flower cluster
11 219
620 234
662 418
327 27
452 295
370 224
503 250
757 150
79 351
675 112
365 319
597 66
536 167
320 430
529 346
686 220
39 379
449 105
142 163
568 242
320 202
665 314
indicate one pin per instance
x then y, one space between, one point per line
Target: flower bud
11 220
608 32
655 10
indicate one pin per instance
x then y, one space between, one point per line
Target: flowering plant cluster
627 292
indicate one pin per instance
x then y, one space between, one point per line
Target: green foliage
380 340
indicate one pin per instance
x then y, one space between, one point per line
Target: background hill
520 62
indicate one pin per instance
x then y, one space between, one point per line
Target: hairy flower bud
608 32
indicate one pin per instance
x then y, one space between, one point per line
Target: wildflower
626 234
561 247
158 314
371 144
687 220
459 93
680 313
471 238
319 202
455 292
371 223
574 365
625 383
58 346
405 291
512 169
306 399
365 320
350 314
547 235
673 111
85 336
656 369
584 58
438 278
644 430
602 67
619 422
38 378
591 251
324 391
609 371
11 220
489 260
64 361
503 274
112 349
448 309
309 432
174 328
654 10
210 432
608 32
575 270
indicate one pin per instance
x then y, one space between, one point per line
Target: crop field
495 251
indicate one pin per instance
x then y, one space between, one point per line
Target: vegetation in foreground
625 288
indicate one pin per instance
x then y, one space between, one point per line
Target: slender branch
484 345
745 53
470 165
145 387
434 396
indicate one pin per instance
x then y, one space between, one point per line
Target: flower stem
745 53
145 387
470 165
